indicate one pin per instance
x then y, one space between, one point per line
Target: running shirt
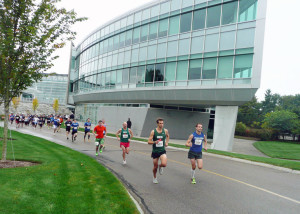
75 126
56 122
197 142
100 131
125 135
12 117
160 146
68 124
17 118
87 126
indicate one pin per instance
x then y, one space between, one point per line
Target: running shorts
99 141
68 129
74 132
126 145
194 155
86 131
155 155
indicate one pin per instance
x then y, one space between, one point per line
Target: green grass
282 150
66 181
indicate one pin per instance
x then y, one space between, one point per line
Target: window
116 42
127 57
170 71
197 45
143 54
107 78
187 3
213 16
151 52
146 14
229 13
185 23
122 40
225 67
155 11
227 40
172 48
119 77
136 35
209 68
161 50
153 31
141 74
182 70
175 5
184 47
174 25
135 55
245 38
128 38
165 8
125 76
137 17
247 10
211 42
149 73
121 58
199 19
144 33
159 72
243 66
132 75
163 28
195 69
113 78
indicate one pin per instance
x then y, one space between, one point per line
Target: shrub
240 129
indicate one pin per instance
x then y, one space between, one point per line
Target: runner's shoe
193 180
100 150
155 181
96 153
124 162
161 170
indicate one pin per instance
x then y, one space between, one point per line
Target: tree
270 103
55 105
281 121
35 104
16 102
249 112
30 32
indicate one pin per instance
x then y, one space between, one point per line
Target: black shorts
41 124
85 132
74 132
194 155
48 121
68 129
155 155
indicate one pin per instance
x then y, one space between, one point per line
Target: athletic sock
193 173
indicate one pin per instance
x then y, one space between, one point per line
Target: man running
100 133
55 124
41 122
159 138
68 125
75 127
11 118
87 129
195 142
126 134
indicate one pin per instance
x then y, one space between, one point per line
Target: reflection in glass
229 13
243 66
132 75
149 73
247 10
195 69
213 16
163 28
141 74
153 31
182 70
185 23
125 76
159 72
199 19
170 71
209 68
174 25
144 33
225 66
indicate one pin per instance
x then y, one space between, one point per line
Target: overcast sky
281 61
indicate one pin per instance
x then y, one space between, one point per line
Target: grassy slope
61 184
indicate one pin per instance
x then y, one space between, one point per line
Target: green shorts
99 141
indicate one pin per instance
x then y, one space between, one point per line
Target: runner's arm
117 134
131 134
188 142
150 139
167 138
205 143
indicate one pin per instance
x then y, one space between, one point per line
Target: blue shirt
75 126
56 122
87 126
197 142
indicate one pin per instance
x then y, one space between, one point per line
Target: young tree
30 32
55 105
16 102
35 104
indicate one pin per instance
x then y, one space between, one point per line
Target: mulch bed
14 164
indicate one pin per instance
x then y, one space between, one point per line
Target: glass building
191 53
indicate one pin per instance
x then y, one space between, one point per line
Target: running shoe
193 180
124 162
100 150
96 153
161 170
155 181
103 147
67 138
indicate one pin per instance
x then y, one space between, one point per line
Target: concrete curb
136 203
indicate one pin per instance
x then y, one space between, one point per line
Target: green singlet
125 135
160 146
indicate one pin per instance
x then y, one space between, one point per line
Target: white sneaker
161 170
155 181
124 162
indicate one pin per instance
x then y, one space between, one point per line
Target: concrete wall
179 123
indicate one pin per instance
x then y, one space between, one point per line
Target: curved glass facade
184 43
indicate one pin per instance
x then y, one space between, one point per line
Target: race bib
125 135
68 125
160 143
198 141
88 127
75 128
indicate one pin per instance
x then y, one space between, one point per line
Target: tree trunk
5 132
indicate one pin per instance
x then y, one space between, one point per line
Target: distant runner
159 138
68 125
100 133
195 143
55 124
87 129
75 127
126 134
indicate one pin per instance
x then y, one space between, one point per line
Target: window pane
107 78
135 55
199 19
153 31
213 16
211 42
127 57
225 67
115 60
129 20
119 77
121 58
113 78
195 69
185 23
175 5
132 75
182 70
209 68
146 14
184 47
136 35
172 48
227 40
161 50
170 71
125 76
243 66
165 8
149 73
229 13
143 54
151 52
141 74
128 38
137 17
163 28
197 45
247 10
174 25
144 33
245 38
122 40
116 42
187 3
159 72
155 11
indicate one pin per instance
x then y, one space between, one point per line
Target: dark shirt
129 124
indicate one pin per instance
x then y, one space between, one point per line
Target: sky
281 58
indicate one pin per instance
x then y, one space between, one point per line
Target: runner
40 121
17 121
68 124
104 132
87 129
55 124
61 120
126 134
195 143
159 138
100 133
11 118
35 121
75 127
48 121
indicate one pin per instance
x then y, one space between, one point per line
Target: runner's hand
205 148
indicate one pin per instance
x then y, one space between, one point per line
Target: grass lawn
277 149
66 181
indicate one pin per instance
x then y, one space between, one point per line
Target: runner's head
100 122
124 125
160 122
74 120
198 127
88 120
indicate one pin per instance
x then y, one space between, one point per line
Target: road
223 186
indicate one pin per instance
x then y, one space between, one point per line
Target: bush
240 129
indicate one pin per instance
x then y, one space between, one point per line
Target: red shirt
99 131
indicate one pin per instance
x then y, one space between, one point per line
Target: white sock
193 173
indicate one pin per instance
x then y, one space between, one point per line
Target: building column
224 127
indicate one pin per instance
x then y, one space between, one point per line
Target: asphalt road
223 186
